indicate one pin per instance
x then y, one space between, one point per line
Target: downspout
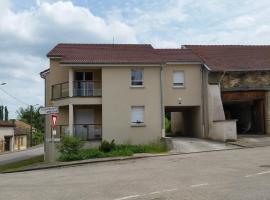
202 99
205 73
162 102
221 78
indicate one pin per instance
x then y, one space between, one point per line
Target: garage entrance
182 121
248 108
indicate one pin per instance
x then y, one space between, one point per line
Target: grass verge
117 150
21 164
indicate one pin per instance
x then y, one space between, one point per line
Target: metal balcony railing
60 90
83 131
88 131
87 89
61 130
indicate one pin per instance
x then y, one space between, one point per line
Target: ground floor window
137 114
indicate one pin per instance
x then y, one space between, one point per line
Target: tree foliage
1 112
24 114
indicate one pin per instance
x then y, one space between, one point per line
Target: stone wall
246 81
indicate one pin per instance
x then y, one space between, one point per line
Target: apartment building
125 91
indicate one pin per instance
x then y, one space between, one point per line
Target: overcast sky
30 28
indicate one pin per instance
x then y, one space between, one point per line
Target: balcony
85 132
80 89
60 90
87 89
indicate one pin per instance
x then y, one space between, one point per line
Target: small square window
137 114
137 77
178 79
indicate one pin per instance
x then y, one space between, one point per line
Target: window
83 76
137 114
178 79
137 77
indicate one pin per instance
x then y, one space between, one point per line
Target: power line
22 102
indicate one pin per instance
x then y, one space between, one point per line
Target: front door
7 143
84 119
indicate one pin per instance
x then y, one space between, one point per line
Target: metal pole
31 127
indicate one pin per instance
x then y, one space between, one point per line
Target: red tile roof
105 53
178 55
6 124
119 54
233 57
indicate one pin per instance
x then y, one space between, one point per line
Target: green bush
107 146
70 149
38 137
167 125
70 145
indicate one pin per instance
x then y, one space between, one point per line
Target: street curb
102 160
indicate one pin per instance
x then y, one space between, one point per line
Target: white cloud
27 35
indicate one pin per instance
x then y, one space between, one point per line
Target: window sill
179 87
136 86
137 125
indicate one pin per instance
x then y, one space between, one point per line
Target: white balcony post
70 119
70 81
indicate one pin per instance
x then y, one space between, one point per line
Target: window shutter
178 78
137 114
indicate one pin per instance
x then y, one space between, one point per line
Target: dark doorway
7 143
182 121
248 108
249 115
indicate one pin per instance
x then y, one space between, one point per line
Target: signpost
48 110
53 111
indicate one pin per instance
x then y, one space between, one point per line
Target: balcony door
84 84
84 118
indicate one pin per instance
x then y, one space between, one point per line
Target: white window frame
138 122
142 80
175 84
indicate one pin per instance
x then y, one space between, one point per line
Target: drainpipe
221 78
162 102
203 101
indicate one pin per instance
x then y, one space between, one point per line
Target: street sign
48 110
52 139
54 119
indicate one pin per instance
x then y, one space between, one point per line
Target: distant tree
1 113
6 114
24 114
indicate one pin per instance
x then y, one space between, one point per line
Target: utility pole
31 126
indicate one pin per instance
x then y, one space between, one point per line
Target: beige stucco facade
112 110
190 94
118 96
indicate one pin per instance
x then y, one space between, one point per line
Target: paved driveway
241 174
191 145
21 155
252 140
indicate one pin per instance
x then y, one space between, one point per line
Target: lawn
114 151
21 164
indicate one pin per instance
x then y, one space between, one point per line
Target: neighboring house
22 132
124 91
6 136
14 135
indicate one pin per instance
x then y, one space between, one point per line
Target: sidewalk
109 159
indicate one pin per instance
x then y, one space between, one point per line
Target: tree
6 114
1 113
24 114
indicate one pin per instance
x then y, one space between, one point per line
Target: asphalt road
232 174
21 155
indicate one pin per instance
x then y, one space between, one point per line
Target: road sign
48 110
54 119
